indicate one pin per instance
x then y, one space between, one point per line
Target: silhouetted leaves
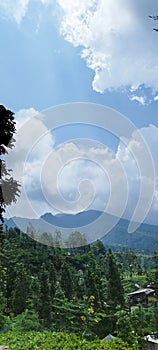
9 188
155 18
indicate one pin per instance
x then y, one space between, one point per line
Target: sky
55 53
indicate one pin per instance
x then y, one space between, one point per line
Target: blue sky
40 69
57 52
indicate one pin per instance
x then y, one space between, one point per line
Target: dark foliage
155 18
9 188
79 292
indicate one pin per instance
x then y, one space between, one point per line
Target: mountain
47 220
144 238
72 220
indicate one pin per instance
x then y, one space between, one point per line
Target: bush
27 321
56 341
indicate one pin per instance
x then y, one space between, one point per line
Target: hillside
145 238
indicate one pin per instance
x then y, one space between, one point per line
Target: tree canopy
9 188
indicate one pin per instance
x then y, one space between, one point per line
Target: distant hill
144 238
72 220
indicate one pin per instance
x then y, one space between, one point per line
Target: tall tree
93 284
125 329
52 280
155 260
66 280
21 288
45 308
115 292
34 293
9 188
59 319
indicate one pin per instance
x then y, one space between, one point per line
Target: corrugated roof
142 290
151 340
109 337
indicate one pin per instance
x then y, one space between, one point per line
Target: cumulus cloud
82 174
115 37
17 9
150 135
33 143
46 2
140 99
116 40
14 9
79 175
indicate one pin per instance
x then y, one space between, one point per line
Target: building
142 296
152 344
109 337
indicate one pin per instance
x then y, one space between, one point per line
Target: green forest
88 297
53 298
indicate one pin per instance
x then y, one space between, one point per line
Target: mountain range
145 238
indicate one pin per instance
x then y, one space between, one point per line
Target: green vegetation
57 341
47 293
9 188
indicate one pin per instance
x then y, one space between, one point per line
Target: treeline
77 290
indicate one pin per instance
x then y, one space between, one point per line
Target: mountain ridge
144 238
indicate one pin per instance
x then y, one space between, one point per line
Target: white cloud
116 40
33 143
46 2
76 177
81 178
15 9
18 9
150 135
80 175
23 115
140 99
115 37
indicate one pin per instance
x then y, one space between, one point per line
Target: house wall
152 346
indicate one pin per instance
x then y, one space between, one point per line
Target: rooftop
142 290
151 340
